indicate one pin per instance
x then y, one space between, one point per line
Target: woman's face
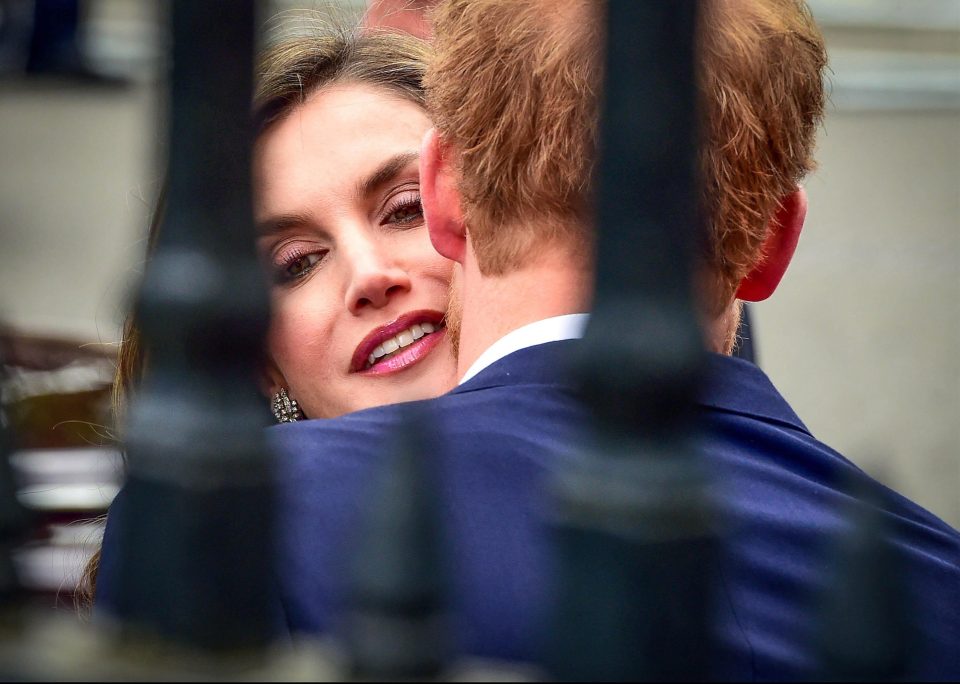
358 291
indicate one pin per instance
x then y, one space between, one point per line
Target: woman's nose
375 280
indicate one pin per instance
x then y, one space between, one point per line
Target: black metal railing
636 505
195 533
14 525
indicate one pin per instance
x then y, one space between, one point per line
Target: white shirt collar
567 327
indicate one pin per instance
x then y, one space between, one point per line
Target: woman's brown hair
290 71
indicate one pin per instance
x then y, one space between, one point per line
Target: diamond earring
285 409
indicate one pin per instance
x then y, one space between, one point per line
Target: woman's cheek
287 324
443 269
432 265
303 323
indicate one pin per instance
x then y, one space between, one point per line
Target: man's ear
783 233
440 199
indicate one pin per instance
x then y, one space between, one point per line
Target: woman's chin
431 377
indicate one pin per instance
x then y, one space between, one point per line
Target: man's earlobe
783 233
441 200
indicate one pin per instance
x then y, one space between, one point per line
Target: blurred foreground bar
867 630
634 543
397 625
196 515
14 523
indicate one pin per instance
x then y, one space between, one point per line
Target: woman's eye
407 211
299 265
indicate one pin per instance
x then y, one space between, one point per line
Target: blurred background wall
863 336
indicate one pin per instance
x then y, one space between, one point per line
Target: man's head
762 99
513 92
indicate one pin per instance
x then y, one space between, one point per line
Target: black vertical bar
14 520
194 525
865 632
634 546
396 622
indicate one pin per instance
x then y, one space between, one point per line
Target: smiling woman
341 230
359 296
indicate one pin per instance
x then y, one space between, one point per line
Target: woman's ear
783 233
441 201
270 379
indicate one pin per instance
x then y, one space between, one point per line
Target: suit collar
737 386
554 329
542 364
731 385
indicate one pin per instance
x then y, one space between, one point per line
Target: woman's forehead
346 115
340 123
339 136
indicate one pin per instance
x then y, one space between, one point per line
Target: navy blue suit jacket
504 433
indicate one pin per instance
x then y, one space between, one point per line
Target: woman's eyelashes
296 263
403 210
293 263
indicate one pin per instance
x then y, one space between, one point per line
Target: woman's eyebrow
279 223
386 171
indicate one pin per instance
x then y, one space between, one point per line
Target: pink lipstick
399 344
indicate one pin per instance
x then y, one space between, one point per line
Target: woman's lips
399 344
407 356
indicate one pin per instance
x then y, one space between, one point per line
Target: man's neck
493 306
720 330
